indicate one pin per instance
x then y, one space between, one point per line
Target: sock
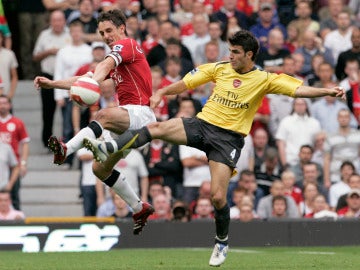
222 223
122 188
118 143
93 130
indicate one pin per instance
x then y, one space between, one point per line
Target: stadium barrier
91 234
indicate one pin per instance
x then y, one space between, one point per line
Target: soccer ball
85 91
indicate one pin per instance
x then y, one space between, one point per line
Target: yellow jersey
236 97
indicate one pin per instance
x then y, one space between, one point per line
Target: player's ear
249 54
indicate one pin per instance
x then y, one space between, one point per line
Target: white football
85 91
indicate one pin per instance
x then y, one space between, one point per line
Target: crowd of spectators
302 156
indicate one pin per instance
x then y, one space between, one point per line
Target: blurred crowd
301 158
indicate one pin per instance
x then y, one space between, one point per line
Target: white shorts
139 115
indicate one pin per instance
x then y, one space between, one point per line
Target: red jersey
132 74
13 132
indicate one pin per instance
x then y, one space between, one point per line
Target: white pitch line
316 252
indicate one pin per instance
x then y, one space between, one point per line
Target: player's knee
218 199
102 117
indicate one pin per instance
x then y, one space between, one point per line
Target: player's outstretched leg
101 149
58 148
140 218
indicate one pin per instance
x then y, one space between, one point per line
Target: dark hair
246 172
279 198
247 41
347 163
308 146
116 16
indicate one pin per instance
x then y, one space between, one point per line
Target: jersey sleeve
284 84
200 75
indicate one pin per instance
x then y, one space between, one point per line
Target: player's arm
311 92
103 69
45 83
172 89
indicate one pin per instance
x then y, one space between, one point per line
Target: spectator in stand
295 130
241 198
339 147
173 50
325 72
310 190
215 33
262 116
312 78
87 16
261 143
203 209
342 187
312 45
87 182
247 182
247 213
229 10
353 94
352 53
183 14
13 132
148 9
279 207
329 23
200 36
289 179
304 22
289 66
351 74
152 34
292 40
311 175
163 10
354 183
114 207
339 40
162 206
326 110
31 21
7 212
8 69
265 24
270 170
133 28
180 212
352 210
320 208
305 156
264 209
163 163
4 28
319 152
47 45
9 167
272 58
155 188
158 52
68 60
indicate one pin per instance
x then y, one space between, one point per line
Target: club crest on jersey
10 127
236 83
117 48
194 71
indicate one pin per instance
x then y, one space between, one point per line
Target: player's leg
104 119
172 131
220 175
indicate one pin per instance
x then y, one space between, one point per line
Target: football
85 91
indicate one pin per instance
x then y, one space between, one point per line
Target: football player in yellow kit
219 129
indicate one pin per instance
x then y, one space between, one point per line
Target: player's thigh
115 119
172 131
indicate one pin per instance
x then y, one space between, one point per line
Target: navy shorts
220 145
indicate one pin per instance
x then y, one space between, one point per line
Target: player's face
110 33
239 60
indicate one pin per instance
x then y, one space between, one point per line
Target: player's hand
338 91
42 82
155 100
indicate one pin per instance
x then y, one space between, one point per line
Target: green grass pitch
187 259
